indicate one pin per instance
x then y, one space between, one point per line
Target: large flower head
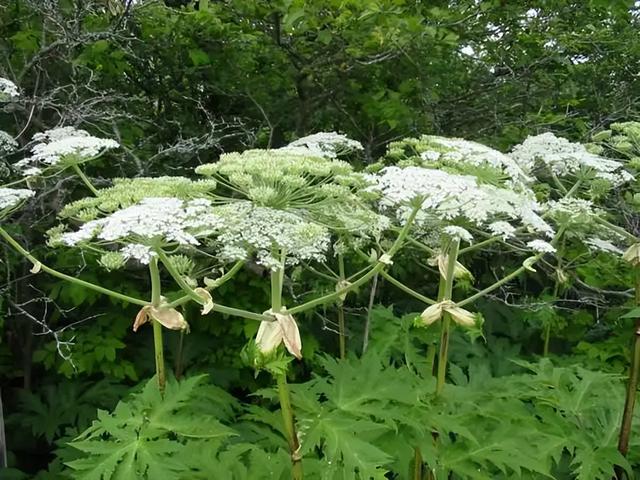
62 147
12 197
323 144
564 158
7 144
153 223
447 198
126 192
281 179
8 90
250 231
457 155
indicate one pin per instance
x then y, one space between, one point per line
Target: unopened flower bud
112 260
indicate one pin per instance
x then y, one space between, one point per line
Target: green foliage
178 82
145 436
54 408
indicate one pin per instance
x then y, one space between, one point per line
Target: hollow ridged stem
341 326
158 344
447 292
289 426
632 386
277 280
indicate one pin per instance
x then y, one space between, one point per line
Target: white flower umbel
448 197
10 197
7 143
139 252
502 228
251 230
323 144
570 211
153 222
8 90
64 146
540 246
564 158
459 151
601 245
458 233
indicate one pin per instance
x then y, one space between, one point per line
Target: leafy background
179 82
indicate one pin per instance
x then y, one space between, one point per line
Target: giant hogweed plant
298 206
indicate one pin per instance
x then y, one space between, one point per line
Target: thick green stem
447 293
417 464
341 326
547 338
380 265
277 280
632 387
367 324
85 179
158 345
289 426
556 291
16 246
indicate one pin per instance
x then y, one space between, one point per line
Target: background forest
537 391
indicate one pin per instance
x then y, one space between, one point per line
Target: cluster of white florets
323 144
502 228
155 221
458 150
7 143
571 211
141 253
458 233
62 145
601 245
450 197
10 197
250 231
8 90
540 246
563 158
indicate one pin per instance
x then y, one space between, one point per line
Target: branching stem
120 296
85 179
